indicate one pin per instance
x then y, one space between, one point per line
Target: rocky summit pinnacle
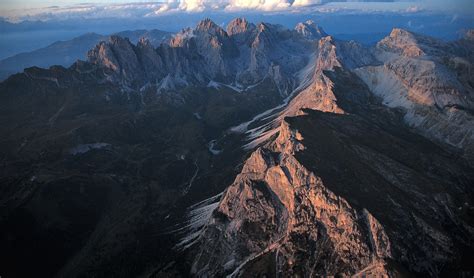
238 26
207 25
310 30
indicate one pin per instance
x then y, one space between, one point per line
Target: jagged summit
207 25
144 42
117 54
239 25
411 44
403 41
310 30
244 54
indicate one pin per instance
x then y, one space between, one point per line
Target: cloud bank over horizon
63 10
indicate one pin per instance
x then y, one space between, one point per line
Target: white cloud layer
149 9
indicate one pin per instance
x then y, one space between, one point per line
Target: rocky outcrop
346 200
427 79
279 214
315 87
118 55
310 30
243 56
240 29
339 191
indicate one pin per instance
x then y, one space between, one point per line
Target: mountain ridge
65 53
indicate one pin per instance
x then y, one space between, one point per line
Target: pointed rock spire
238 26
310 30
401 41
208 26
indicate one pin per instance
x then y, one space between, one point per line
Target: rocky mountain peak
239 25
399 32
144 43
327 58
265 34
110 53
310 30
179 39
206 23
208 26
118 40
119 55
402 41
262 27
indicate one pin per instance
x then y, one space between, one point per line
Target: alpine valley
249 151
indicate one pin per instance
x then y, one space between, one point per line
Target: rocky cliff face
310 30
243 56
279 218
422 76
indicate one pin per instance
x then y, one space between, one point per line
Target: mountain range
65 53
253 150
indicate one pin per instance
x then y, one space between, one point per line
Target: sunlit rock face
279 211
429 79
310 30
239 26
244 55
327 193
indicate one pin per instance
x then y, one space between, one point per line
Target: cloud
83 11
265 5
302 3
151 9
414 9
247 5
223 5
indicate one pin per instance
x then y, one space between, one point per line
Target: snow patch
197 217
236 88
213 150
196 114
214 84
186 190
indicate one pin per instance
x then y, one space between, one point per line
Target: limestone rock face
243 56
310 30
153 65
239 26
215 46
429 80
276 209
118 55
346 200
338 191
